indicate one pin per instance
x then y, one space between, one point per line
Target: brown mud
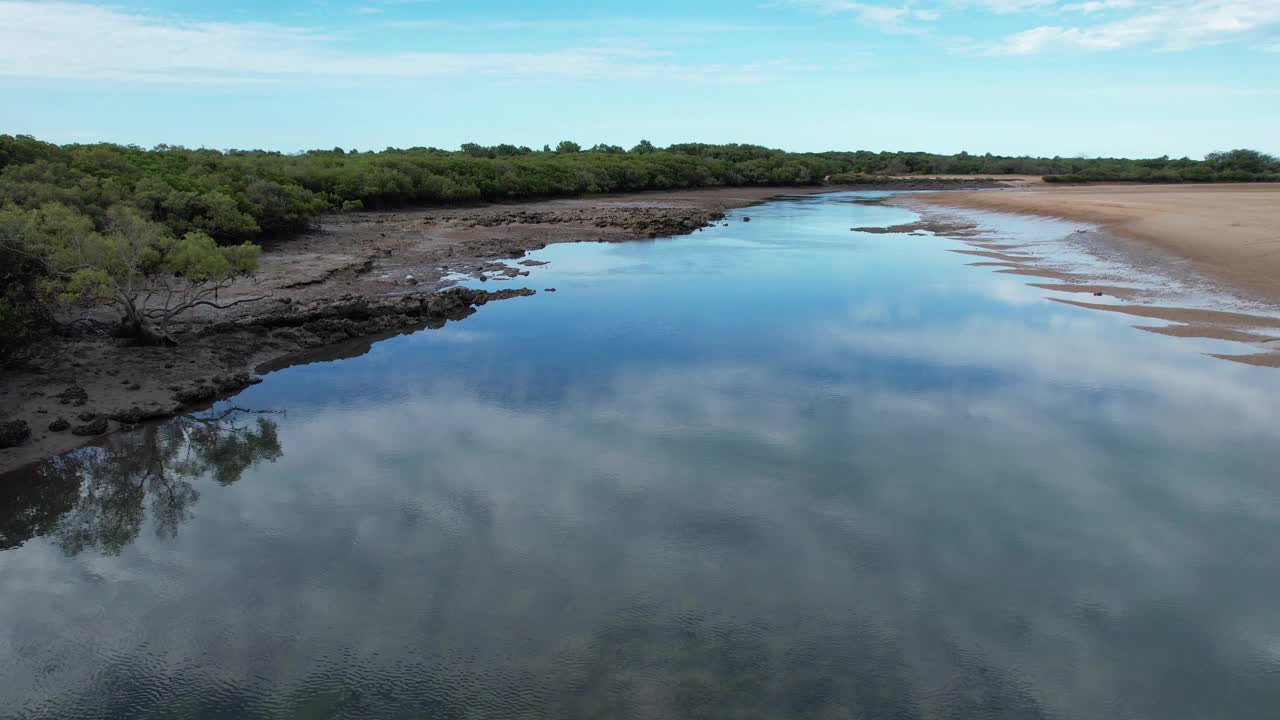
357 278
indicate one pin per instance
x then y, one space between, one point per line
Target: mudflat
1231 232
358 275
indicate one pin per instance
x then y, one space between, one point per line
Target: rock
135 387
13 433
550 290
73 395
135 415
96 426
205 391
86 416
746 219
411 280
59 425
1097 294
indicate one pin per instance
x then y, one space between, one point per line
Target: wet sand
1231 232
1227 235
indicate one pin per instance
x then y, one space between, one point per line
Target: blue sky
1044 77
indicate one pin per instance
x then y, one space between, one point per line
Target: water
774 469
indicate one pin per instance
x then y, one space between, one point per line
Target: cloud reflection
1015 543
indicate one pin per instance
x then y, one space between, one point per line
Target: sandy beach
1227 234
1231 232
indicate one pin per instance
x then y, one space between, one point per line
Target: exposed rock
96 426
954 229
59 425
13 433
205 391
73 395
135 415
640 221
333 322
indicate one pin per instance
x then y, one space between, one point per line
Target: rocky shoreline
365 275
98 385
357 278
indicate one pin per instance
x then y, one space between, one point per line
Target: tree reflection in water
97 497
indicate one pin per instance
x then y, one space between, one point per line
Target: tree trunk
133 324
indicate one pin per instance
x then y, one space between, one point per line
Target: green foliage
891 181
197 258
22 316
602 148
1229 166
57 253
1243 161
88 220
20 331
243 195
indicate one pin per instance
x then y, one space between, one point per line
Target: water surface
775 469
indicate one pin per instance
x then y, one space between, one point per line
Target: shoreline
1220 237
357 276
1230 232
374 274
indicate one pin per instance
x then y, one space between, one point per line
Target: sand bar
1231 232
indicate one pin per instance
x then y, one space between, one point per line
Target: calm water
773 470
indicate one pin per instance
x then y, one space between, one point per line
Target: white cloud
1097 25
1007 7
887 18
1177 25
1094 6
77 41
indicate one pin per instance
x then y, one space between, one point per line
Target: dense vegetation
1230 166
247 195
238 196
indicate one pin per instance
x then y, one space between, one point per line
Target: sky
1123 78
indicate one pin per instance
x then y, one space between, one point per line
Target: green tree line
173 195
239 195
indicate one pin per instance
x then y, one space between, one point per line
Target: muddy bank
94 385
356 278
